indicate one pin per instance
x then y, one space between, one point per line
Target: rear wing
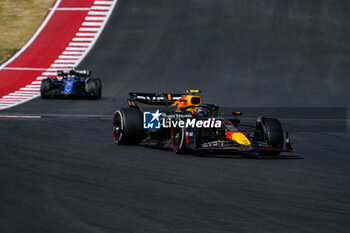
163 99
78 73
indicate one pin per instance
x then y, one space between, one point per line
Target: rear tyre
99 87
46 86
127 126
270 129
92 88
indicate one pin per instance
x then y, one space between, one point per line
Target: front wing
256 146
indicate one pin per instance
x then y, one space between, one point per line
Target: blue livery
68 86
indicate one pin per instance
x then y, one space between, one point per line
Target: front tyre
271 131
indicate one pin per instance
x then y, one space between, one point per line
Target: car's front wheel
270 130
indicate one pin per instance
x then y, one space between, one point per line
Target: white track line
82 39
33 86
69 57
78 44
72 53
20 94
14 97
64 61
84 34
49 73
20 117
30 89
92 29
65 66
75 49
8 102
73 9
26 92
100 7
103 3
92 23
94 18
97 13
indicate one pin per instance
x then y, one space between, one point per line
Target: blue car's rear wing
78 73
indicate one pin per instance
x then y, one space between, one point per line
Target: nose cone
239 137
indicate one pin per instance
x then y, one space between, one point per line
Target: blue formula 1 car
71 83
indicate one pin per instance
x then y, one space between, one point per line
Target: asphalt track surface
62 173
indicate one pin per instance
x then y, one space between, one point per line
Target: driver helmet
202 112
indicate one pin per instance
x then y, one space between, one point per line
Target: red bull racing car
183 123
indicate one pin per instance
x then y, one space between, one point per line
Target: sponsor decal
68 86
191 123
189 134
151 120
212 144
157 120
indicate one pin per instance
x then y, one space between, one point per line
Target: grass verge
19 21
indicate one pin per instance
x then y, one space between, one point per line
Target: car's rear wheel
99 87
271 131
93 88
127 126
46 86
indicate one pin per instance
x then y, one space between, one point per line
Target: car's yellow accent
238 137
192 91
